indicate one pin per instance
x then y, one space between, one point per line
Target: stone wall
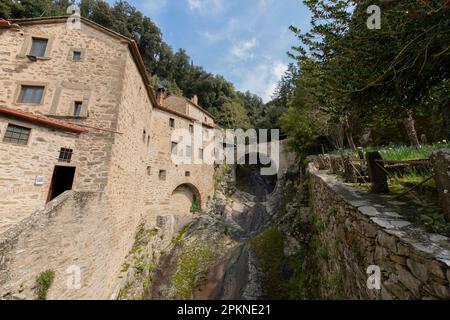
357 231
200 178
74 230
96 80
117 184
20 165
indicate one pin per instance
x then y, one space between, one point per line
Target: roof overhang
41 120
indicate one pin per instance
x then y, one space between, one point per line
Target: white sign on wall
39 180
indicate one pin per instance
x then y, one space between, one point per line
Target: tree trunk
447 121
410 127
348 133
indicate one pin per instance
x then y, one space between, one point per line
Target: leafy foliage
369 82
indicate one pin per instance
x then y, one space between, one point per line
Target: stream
233 273
236 276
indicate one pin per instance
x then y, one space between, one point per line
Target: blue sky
244 40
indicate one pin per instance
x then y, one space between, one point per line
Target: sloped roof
41 120
191 102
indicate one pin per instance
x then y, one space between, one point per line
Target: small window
65 155
200 154
187 173
188 151
31 94
148 141
162 174
17 134
144 135
172 123
76 56
191 128
38 47
149 170
77 108
174 148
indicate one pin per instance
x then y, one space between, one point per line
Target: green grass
43 283
400 152
268 247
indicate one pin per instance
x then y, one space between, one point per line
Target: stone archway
185 200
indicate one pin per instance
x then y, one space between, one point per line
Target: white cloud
153 6
206 6
211 37
263 79
243 49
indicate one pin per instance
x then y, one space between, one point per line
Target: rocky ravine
240 249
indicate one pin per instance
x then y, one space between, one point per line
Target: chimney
160 96
195 99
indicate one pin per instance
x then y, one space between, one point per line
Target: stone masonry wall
21 164
201 175
96 80
74 230
356 231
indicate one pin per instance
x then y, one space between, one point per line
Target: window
76 56
172 123
174 148
65 155
191 128
31 94
38 47
77 108
144 135
148 141
149 170
188 151
162 174
200 154
187 173
17 134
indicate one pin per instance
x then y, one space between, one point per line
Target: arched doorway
185 200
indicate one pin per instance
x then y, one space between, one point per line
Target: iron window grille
17 134
65 155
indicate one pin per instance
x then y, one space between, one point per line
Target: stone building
77 112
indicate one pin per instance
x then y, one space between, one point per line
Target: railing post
349 170
441 168
376 173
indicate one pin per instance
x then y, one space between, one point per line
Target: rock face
211 257
441 168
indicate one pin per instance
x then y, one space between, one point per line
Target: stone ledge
30 221
429 244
